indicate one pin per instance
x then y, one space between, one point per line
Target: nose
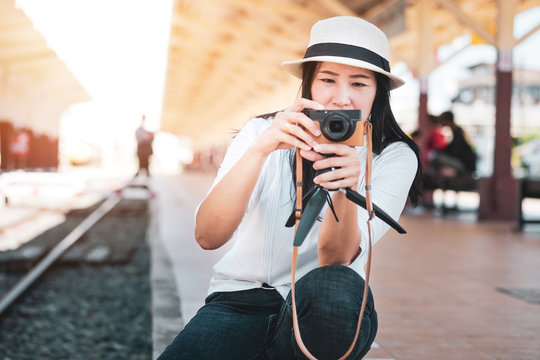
342 97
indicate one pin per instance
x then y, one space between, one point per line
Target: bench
528 188
450 183
456 184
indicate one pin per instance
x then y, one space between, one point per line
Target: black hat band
348 51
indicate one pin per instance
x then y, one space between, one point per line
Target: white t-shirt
262 249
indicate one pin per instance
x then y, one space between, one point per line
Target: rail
27 280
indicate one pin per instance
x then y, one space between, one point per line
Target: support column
422 105
425 65
498 194
6 132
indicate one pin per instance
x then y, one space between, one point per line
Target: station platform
452 288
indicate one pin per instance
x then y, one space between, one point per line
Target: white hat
347 40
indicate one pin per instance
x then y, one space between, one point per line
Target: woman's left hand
344 160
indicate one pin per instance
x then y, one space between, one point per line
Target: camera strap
298 215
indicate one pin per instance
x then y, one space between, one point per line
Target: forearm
339 242
221 212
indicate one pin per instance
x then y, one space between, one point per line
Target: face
344 87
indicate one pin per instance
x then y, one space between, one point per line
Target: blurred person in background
144 139
458 158
434 143
19 148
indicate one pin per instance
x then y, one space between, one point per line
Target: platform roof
35 85
224 55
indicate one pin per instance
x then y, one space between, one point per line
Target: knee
329 301
336 290
329 280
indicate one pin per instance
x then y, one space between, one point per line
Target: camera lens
337 126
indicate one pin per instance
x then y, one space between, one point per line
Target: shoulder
258 123
254 127
397 155
247 135
398 149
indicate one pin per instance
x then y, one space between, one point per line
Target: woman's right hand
223 209
290 128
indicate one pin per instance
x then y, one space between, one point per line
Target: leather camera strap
298 214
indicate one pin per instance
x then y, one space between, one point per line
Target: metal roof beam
467 20
379 9
527 35
453 55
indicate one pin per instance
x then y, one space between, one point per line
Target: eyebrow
355 76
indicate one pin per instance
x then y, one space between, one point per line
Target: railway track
57 251
95 264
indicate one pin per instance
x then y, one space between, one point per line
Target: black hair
447 115
386 130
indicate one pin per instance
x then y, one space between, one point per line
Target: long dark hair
385 130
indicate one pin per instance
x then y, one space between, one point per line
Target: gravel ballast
87 309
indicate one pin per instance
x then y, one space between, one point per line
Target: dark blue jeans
257 324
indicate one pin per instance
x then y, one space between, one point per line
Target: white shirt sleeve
240 144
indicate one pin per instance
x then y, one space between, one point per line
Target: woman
247 313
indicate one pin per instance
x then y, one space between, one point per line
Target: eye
327 80
358 84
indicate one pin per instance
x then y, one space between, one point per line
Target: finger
302 104
337 178
337 174
294 141
337 184
311 155
287 127
301 119
299 132
352 162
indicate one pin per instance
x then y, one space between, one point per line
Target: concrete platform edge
165 303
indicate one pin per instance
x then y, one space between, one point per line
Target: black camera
338 126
